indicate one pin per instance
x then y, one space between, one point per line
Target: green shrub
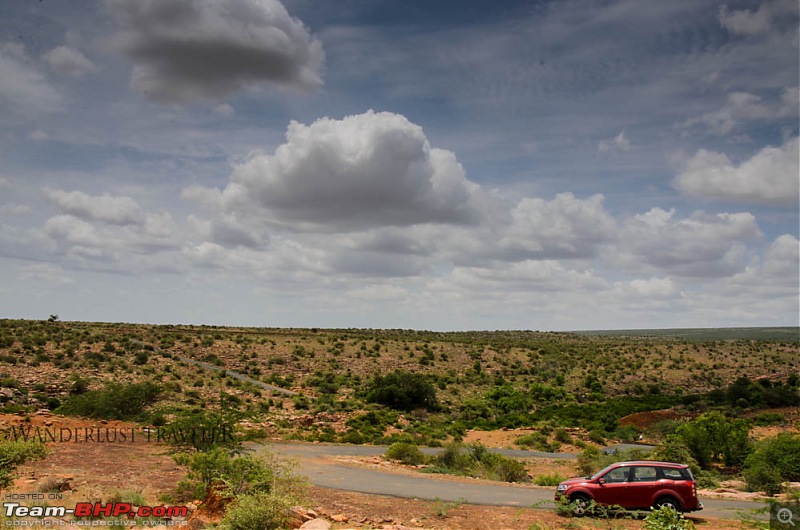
219 471
549 479
769 418
407 453
260 511
563 436
477 461
674 450
115 402
495 466
776 460
666 518
14 453
536 440
402 390
714 438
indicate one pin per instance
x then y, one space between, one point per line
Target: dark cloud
188 50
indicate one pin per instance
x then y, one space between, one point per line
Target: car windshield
601 472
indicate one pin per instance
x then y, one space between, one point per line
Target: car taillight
694 488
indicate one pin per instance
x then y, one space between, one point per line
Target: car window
619 474
644 474
672 473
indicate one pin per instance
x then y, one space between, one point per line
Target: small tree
714 438
776 460
402 390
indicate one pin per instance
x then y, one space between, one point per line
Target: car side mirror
601 481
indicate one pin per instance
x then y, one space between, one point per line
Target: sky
448 165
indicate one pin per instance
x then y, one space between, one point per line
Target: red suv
634 486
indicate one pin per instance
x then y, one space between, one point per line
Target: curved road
315 461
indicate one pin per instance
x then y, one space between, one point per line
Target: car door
643 486
614 487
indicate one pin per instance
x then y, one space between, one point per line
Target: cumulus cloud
108 242
105 208
22 86
15 210
699 246
566 227
190 50
760 21
770 176
228 232
47 273
743 107
108 229
782 259
68 61
618 143
360 172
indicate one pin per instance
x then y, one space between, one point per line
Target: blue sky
578 164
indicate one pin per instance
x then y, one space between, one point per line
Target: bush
666 518
674 450
477 461
776 460
261 511
115 402
402 390
218 471
769 418
551 479
14 453
406 453
714 438
536 440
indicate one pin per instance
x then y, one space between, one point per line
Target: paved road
314 461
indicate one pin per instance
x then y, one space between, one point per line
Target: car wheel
669 501
580 504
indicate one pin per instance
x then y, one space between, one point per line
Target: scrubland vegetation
412 388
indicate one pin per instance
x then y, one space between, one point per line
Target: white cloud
189 50
618 143
14 210
23 87
770 176
114 231
38 135
658 288
566 227
225 110
700 246
364 171
109 242
47 273
760 21
743 107
226 230
105 208
68 61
